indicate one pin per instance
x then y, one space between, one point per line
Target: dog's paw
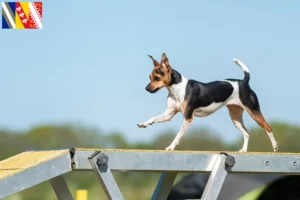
275 147
145 124
242 150
142 125
170 148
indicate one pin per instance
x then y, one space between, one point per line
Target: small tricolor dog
196 99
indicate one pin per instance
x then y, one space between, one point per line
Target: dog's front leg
180 134
166 116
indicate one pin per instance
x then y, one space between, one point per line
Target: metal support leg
99 162
217 177
60 188
164 186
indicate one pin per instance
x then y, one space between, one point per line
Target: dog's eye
156 78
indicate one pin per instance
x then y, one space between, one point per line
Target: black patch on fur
203 94
248 97
175 77
247 77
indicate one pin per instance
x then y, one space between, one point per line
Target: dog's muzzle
148 88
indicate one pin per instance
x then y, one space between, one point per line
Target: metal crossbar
99 163
19 173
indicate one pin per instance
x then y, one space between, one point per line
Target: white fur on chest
178 92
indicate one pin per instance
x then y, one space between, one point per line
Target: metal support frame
164 186
99 162
217 177
106 161
60 188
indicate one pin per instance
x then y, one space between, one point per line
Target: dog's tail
244 68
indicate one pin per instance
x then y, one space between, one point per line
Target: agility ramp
33 167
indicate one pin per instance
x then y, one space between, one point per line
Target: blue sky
89 63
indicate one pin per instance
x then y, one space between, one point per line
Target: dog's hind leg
236 114
259 118
251 104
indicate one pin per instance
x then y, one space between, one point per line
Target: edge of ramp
30 168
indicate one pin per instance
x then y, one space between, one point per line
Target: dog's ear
164 59
165 62
155 63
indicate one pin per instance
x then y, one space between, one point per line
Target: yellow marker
81 195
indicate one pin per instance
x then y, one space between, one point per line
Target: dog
196 99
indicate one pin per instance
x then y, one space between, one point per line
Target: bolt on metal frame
105 161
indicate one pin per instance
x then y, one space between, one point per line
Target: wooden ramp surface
26 160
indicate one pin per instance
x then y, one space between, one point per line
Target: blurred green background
134 185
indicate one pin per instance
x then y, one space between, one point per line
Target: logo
22 15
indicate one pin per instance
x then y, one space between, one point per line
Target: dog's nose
148 87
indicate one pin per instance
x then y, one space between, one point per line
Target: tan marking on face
259 118
160 78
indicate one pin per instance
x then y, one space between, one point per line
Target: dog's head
161 74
